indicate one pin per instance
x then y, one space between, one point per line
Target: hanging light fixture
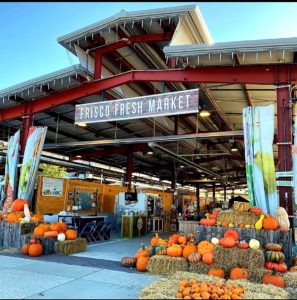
204 112
234 148
82 124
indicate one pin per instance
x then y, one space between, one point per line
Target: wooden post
198 196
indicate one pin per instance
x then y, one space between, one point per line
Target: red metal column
129 167
284 142
98 64
27 123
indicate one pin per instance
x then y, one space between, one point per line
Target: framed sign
52 187
167 104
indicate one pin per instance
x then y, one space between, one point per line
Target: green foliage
52 170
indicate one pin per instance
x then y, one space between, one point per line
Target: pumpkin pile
275 258
33 247
192 289
58 230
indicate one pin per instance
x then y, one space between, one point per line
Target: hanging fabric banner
262 165
12 159
30 163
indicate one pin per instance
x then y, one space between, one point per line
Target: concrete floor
38 278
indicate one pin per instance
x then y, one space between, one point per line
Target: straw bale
228 258
237 217
165 265
290 279
292 292
257 274
178 276
71 246
160 289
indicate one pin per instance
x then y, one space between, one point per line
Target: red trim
232 74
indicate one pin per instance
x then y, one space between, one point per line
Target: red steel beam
260 74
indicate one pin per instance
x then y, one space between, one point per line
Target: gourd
232 234
143 251
35 250
51 233
282 217
207 258
128 261
259 223
194 257
142 263
175 251
256 210
182 240
162 242
25 249
188 249
71 234
208 222
205 247
24 220
61 237
154 240
270 223
241 206
239 273
280 267
254 244
273 247
173 239
243 245
275 256
272 278
216 272
161 250
227 242
39 231
215 241
14 217
18 204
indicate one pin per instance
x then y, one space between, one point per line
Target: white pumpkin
61 237
24 220
282 216
215 241
254 244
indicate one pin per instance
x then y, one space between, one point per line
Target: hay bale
71 246
290 279
235 217
165 265
228 258
257 274
166 288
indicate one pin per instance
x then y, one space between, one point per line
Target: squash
243 245
216 272
61 237
174 251
282 217
275 256
194 257
205 247
188 249
227 242
239 273
256 210
241 206
270 223
161 250
207 258
259 223
208 222
142 263
215 241
273 247
232 234
35 250
281 267
272 278
18 204
51 233
154 240
128 261
254 244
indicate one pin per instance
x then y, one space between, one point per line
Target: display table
188 227
134 226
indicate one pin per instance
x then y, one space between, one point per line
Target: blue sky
29 31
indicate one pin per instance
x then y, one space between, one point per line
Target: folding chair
94 234
103 233
87 230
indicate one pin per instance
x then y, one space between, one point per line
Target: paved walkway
94 274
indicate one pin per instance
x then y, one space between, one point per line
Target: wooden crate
264 236
13 235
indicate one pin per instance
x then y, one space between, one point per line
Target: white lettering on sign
176 103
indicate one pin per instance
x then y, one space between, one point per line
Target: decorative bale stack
14 235
165 265
236 217
71 246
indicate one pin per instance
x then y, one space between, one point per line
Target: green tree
52 170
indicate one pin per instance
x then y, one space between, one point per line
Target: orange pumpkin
188 249
18 204
208 222
270 223
239 273
256 210
216 272
46 227
182 240
39 231
14 217
55 227
51 233
174 251
225 224
272 278
36 218
207 258
25 249
227 242
63 226
155 240
142 263
232 234
35 250
143 251
205 247
71 234
173 239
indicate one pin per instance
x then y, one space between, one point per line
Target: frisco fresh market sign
176 103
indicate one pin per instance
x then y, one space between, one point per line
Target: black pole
214 194
198 197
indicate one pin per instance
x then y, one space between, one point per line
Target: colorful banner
12 159
260 159
30 163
